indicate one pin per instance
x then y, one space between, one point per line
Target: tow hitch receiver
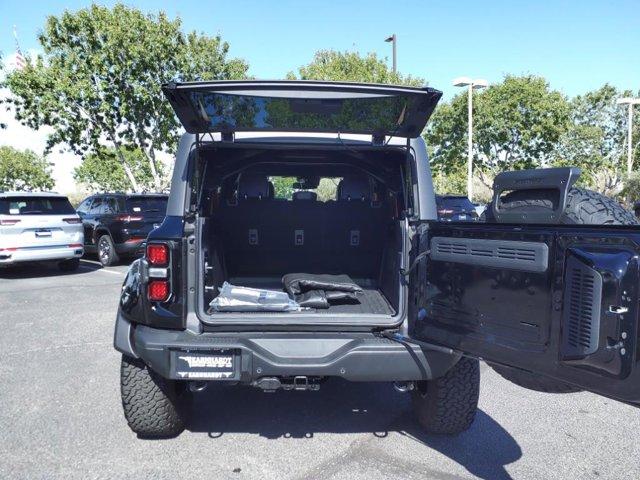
300 382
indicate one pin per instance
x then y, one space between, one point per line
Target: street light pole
471 84
630 102
470 143
393 39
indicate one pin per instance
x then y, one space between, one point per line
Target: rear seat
357 231
266 237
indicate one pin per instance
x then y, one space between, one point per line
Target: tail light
8 221
72 220
158 290
129 218
158 254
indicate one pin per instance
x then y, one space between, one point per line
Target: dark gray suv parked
257 279
116 225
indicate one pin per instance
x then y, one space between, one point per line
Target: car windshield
29 205
457 203
147 205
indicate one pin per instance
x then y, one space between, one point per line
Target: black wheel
107 251
69 265
447 405
151 403
583 207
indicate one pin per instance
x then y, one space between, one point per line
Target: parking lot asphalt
60 412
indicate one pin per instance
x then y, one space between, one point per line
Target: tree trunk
157 181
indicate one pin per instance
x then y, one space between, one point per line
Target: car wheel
151 403
107 251
69 265
448 405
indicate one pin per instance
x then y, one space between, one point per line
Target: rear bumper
352 356
36 254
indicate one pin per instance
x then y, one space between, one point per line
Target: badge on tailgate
219 365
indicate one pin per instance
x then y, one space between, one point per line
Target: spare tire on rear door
583 207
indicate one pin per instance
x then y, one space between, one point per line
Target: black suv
362 281
454 208
117 224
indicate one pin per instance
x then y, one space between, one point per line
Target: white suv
39 227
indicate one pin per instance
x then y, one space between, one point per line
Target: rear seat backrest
267 237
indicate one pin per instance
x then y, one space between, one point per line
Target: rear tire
584 207
448 405
107 251
150 402
69 265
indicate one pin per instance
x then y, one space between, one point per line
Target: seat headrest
354 188
253 186
272 190
304 195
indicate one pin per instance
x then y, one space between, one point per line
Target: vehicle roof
31 194
126 195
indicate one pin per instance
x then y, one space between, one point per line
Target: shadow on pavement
42 269
344 407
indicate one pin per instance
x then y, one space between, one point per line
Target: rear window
147 205
36 206
325 190
458 203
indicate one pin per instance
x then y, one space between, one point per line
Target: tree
98 82
23 170
104 172
517 124
352 67
596 140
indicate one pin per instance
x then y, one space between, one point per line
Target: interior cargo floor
371 300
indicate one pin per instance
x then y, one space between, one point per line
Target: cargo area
272 213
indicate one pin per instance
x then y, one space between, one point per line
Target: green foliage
596 142
23 171
98 82
327 189
283 186
331 65
517 124
631 187
103 171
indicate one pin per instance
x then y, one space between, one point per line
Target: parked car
39 227
455 208
546 291
116 225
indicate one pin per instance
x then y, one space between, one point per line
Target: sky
576 45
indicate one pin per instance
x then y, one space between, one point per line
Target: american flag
20 61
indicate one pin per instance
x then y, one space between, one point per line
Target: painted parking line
102 269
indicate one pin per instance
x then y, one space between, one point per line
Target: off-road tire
447 405
151 403
583 207
108 255
70 265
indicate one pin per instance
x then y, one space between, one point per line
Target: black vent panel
581 309
523 256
